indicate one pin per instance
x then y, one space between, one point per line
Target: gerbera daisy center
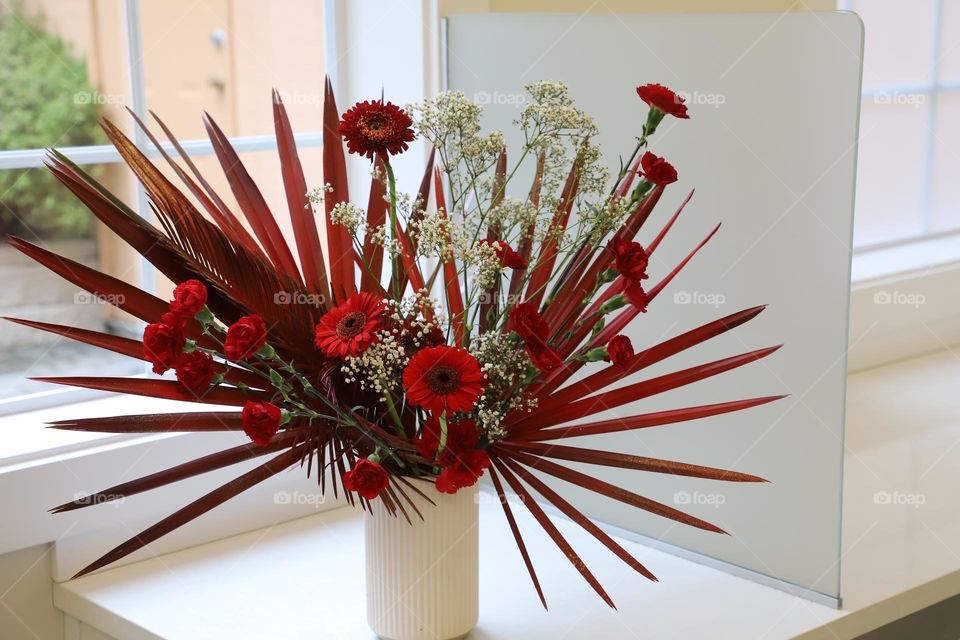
351 324
443 379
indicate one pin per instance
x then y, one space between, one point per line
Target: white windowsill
306 576
27 437
913 258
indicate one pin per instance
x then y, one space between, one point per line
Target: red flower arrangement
373 377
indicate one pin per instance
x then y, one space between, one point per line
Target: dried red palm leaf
626 461
130 348
164 389
206 464
628 231
155 423
637 391
251 202
489 306
116 344
508 512
216 209
301 213
526 244
613 373
575 515
120 294
339 244
617 325
372 268
551 529
195 509
419 208
240 282
606 489
451 281
542 269
642 421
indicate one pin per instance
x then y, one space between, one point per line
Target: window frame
932 91
107 154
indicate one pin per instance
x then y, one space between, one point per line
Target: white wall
26 596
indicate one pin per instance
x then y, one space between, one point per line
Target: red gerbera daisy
443 379
349 329
660 97
372 127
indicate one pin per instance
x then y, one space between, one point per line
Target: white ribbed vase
423 579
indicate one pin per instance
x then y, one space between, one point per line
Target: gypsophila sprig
349 215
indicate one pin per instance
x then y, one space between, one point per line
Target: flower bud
614 303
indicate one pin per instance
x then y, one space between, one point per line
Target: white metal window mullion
138 104
931 137
106 154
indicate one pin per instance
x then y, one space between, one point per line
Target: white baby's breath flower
349 215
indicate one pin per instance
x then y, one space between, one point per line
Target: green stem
395 224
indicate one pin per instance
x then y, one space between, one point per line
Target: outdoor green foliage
47 101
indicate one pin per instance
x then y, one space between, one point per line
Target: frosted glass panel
777 168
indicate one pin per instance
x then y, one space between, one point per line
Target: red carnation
245 337
659 97
261 421
347 330
443 379
619 350
189 299
528 323
416 336
543 357
195 371
163 344
637 296
367 478
657 170
629 258
463 463
173 320
376 127
506 255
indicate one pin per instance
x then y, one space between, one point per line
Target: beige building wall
222 57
